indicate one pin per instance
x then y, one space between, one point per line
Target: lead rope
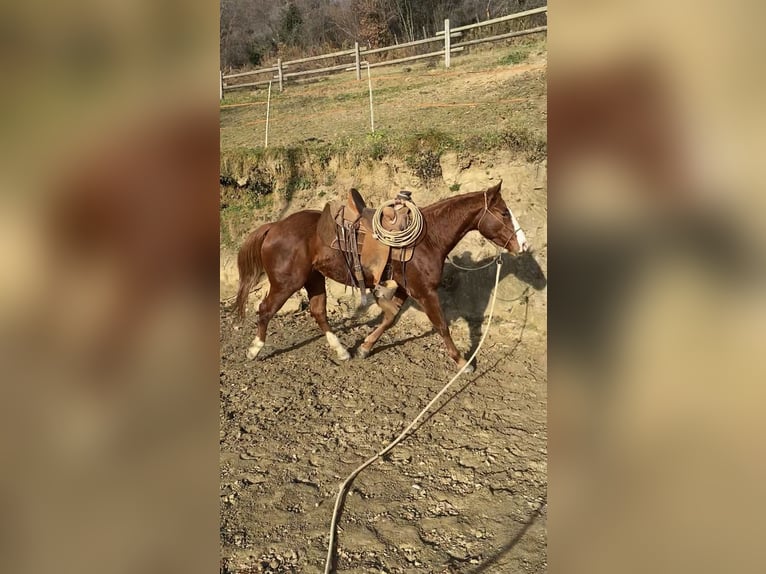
397 440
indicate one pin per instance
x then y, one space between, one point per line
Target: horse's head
498 224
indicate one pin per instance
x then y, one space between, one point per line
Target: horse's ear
356 199
495 189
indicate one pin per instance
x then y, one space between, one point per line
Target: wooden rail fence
281 71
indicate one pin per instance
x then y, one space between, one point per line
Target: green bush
425 165
515 57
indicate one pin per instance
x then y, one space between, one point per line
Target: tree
245 33
291 25
373 23
251 30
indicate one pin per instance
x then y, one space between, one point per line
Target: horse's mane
448 201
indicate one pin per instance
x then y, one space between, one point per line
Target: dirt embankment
524 190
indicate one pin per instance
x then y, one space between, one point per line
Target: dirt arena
465 493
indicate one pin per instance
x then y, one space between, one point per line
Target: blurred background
657 302
108 302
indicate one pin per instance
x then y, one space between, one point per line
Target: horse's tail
250 266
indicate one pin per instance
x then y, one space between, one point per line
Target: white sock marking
333 341
254 349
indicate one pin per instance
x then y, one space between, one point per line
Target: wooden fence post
357 62
446 43
220 84
279 73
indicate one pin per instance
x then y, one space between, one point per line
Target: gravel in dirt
465 493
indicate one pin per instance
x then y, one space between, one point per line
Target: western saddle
348 227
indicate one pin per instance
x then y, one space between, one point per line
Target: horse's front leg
390 312
432 307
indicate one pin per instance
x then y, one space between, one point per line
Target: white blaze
520 237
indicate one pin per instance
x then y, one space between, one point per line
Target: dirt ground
465 493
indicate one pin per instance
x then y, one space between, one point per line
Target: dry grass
476 103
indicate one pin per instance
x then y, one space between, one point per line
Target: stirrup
385 290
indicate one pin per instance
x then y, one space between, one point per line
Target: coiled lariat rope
401 238
405 432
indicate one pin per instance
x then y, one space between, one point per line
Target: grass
478 98
236 210
514 57
292 166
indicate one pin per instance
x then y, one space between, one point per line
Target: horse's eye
506 213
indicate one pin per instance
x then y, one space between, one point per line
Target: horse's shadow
467 294
491 562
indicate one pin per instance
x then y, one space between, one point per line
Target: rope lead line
397 440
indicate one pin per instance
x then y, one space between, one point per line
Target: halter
486 211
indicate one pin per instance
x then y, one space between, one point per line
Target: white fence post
279 73
369 83
268 108
220 84
356 62
446 43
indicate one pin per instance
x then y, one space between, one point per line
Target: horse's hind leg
390 311
316 289
272 303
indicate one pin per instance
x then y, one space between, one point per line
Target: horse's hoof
254 349
469 368
362 353
344 356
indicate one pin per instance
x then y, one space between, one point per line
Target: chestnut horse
292 255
